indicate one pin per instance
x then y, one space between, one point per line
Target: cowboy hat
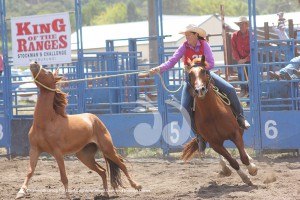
280 13
241 20
194 28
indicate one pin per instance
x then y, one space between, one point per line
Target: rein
222 96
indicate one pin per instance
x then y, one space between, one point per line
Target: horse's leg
87 157
33 159
245 158
225 169
63 176
233 163
249 157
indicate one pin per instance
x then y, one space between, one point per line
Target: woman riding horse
194 47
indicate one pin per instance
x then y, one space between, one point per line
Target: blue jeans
224 86
242 77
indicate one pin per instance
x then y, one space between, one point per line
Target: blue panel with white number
4 137
280 130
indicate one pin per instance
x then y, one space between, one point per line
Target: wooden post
224 40
291 28
266 31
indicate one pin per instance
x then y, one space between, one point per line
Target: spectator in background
280 31
1 65
289 72
281 19
240 43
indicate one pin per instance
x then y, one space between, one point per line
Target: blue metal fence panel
280 130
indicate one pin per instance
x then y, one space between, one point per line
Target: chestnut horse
215 121
59 134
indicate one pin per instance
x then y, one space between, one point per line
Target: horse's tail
114 172
189 150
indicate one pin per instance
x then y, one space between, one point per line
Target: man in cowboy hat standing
240 43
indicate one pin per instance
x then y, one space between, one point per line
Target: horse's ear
57 78
189 65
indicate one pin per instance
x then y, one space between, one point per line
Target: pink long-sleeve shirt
180 52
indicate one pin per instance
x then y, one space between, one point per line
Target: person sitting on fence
280 31
281 19
289 72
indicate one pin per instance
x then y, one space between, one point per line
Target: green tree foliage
91 9
175 7
208 7
116 13
132 12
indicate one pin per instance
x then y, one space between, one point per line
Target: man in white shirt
281 32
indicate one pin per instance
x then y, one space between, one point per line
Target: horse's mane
60 100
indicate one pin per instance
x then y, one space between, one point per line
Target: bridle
44 86
205 89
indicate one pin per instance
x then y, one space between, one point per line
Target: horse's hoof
253 172
252 169
68 195
138 187
22 193
226 172
105 194
250 183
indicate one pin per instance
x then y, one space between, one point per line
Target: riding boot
200 140
243 123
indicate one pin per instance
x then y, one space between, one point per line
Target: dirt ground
162 178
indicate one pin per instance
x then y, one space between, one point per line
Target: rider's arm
173 60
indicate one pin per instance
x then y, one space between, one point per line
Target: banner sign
43 38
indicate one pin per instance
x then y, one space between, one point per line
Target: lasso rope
165 87
100 77
34 78
108 76
222 96
130 73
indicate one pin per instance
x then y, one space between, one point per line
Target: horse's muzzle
201 91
